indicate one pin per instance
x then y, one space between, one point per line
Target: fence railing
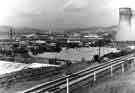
92 73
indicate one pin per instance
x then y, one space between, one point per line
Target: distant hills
26 30
21 30
94 29
5 30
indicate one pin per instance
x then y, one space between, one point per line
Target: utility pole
99 51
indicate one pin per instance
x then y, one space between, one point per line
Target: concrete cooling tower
126 25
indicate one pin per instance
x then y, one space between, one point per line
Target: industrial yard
27 65
61 48
8 67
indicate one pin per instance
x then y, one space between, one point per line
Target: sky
57 14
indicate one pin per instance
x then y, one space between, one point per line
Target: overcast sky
61 13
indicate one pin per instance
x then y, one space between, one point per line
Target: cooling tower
133 22
125 15
125 30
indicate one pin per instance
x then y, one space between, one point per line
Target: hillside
5 30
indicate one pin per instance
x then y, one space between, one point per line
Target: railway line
90 72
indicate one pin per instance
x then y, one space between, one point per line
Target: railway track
60 83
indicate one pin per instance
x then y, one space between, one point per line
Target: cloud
26 11
75 5
60 13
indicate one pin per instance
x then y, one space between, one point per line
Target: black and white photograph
67 46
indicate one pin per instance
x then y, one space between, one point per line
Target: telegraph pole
99 51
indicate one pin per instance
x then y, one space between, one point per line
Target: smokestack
11 34
125 15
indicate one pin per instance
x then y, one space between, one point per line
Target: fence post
122 65
67 82
67 79
111 70
94 76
